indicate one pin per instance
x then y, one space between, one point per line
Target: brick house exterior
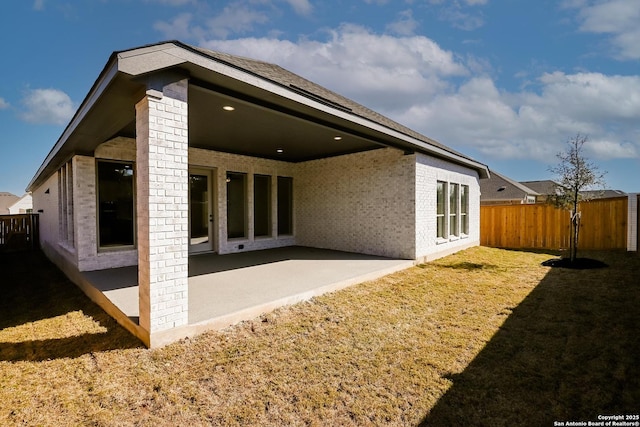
193 150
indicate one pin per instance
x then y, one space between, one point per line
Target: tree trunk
575 231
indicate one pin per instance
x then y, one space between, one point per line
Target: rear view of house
179 150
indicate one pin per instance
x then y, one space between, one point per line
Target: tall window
285 205
440 211
65 203
115 204
261 205
453 209
464 209
236 205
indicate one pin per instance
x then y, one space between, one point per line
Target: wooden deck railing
603 226
19 232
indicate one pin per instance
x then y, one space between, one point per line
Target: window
452 211
464 209
236 205
65 203
440 211
261 205
285 205
115 204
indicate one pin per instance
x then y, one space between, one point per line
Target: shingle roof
292 81
543 187
500 187
602 194
6 200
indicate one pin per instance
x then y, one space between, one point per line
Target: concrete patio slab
226 289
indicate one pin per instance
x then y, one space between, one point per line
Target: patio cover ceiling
277 114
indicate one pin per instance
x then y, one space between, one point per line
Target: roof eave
101 84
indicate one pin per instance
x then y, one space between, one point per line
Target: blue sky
506 82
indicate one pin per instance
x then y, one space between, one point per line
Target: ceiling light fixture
279 150
228 108
337 138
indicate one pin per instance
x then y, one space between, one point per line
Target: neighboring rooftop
544 187
6 200
602 194
499 188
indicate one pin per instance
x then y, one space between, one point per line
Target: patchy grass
483 337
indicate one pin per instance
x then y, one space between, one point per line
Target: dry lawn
483 337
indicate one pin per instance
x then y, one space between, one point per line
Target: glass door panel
200 213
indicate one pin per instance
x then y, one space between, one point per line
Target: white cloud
451 98
607 149
179 28
374 69
47 106
404 25
301 7
235 18
172 2
3 104
38 5
618 18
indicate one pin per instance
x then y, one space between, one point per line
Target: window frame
289 213
116 247
245 233
268 208
452 211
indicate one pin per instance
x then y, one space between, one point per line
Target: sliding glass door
201 220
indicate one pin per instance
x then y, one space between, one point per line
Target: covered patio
227 289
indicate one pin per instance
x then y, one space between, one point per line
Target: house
179 150
501 190
548 188
602 194
545 188
7 200
23 205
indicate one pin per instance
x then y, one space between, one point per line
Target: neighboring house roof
548 187
6 200
22 205
602 194
544 187
279 110
500 188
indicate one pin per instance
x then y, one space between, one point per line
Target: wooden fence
603 226
18 232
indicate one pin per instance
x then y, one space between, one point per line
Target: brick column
162 205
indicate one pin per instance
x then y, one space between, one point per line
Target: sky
506 82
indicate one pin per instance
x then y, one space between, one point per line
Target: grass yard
483 337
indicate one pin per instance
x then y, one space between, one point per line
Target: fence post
632 222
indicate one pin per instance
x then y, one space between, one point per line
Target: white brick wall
162 207
360 202
429 170
222 163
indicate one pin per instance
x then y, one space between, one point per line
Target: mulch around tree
577 264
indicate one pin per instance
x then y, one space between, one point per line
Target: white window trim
448 236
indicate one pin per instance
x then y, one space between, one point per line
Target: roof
544 187
285 110
7 200
602 194
297 83
500 187
548 187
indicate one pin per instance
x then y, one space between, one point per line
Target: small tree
575 174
